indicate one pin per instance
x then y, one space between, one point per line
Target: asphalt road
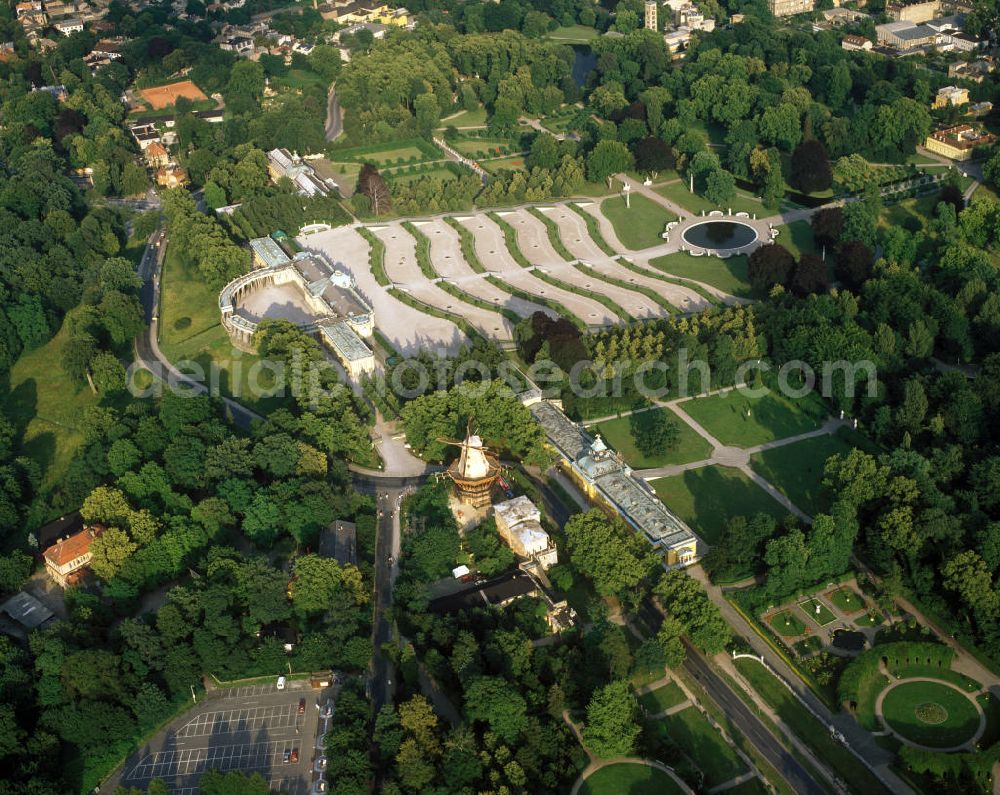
147 350
750 725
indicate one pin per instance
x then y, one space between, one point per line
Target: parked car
302 706
287 756
295 755
281 683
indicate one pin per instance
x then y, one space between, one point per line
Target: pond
848 640
720 235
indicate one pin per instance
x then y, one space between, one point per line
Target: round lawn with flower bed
787 624
631 778
930 713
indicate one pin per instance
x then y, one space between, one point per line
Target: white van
281 683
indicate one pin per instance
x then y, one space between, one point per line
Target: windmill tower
474 471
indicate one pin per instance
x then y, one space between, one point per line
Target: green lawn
481 147
383 157
699 740
787 624
692 202
46 407
663 698
708 497
909 213
690 446
573 34
629 778
869 619
797 237
639 225
299 79
771 417
930 714
796 470
822 616
466 118
442 172
190 329
847 600
808 729
728 275
511 163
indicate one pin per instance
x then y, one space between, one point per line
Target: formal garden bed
817 611
846 600
641 224
787 624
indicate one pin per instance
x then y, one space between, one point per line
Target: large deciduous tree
611 729
770 265
372 185
811 172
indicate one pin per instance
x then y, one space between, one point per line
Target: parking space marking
228 721
244 756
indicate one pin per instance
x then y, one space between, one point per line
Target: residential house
787 8
66 560
519 523
980 108
974 71
852 42
950 96
171 177
241 45
69 26
156 155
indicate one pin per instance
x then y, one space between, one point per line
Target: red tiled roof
71 548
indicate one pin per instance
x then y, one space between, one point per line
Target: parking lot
253 729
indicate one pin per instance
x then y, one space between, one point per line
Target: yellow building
361 11
608 482
958 142
951 96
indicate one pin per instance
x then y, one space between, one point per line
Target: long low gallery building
607 480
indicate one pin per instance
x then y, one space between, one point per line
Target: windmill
474 471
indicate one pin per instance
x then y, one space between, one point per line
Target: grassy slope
640 225
190 328
728 275
707 498
797 469
772 416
